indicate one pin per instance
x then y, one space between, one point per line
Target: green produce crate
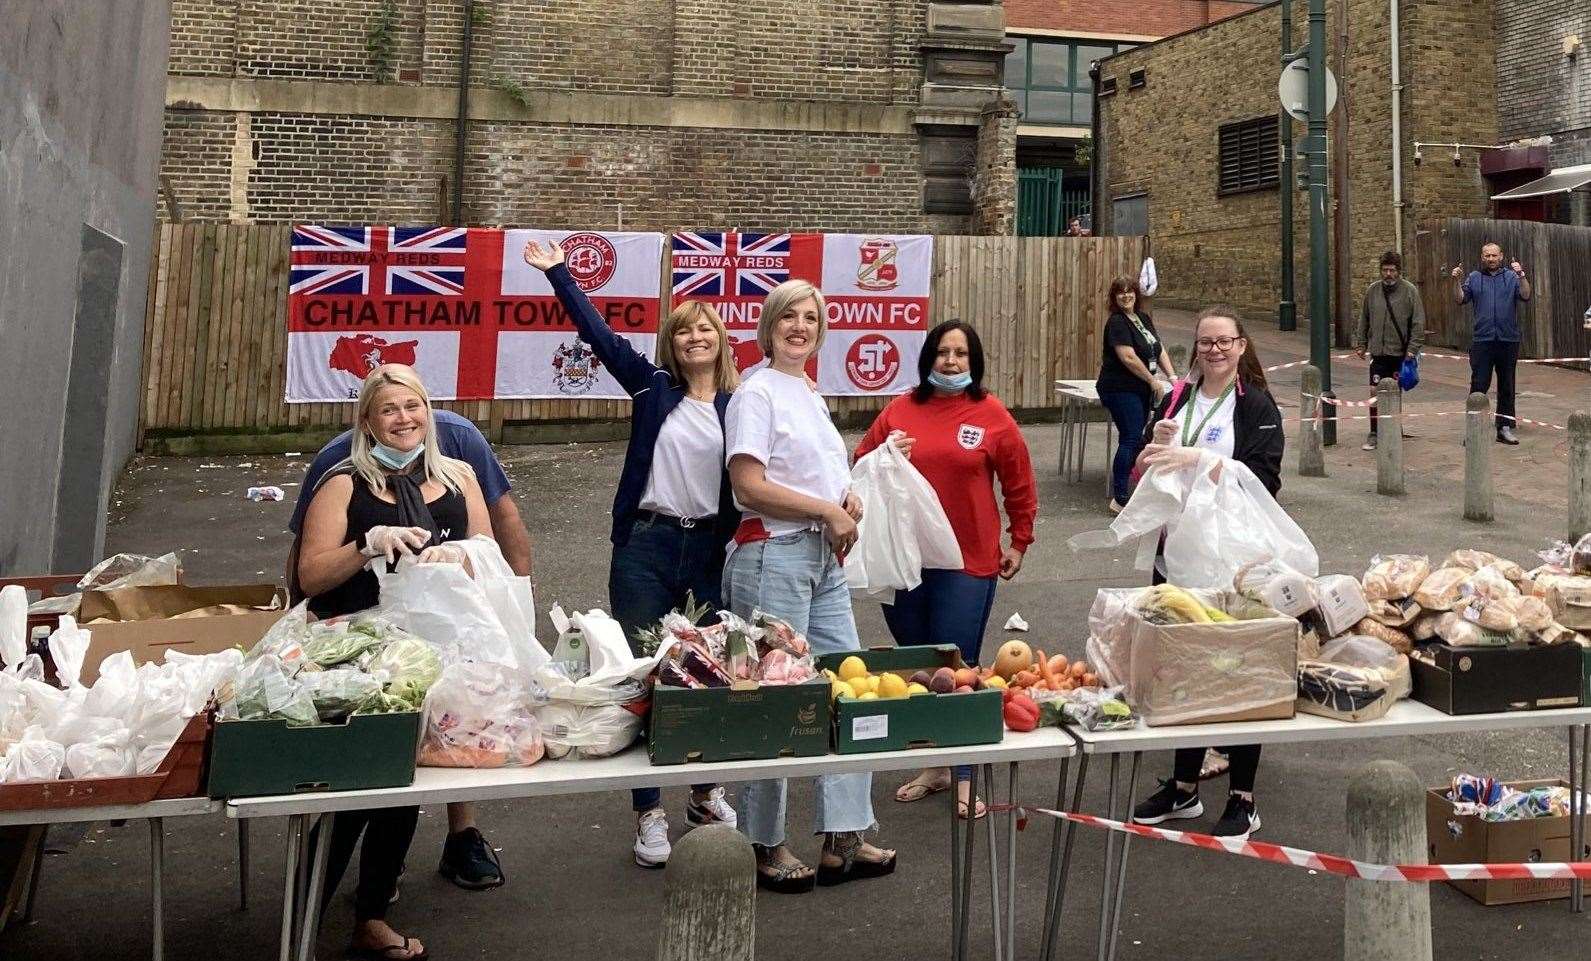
740 723
925 720
253 758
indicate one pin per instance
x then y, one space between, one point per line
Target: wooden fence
215 336
1557 260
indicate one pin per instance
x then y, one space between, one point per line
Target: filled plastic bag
574 730
1456 629
1355 678
267 690
1212 526
1342 603
1392 577
479 618
119 570
411 667
903 529
1475 560
13 625
480 715
109 756
33 758
1278 586
1399 640
1441 588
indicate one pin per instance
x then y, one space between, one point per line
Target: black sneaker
469 862
1239 820
1168 804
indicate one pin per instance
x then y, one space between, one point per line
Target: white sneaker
715 810
651 839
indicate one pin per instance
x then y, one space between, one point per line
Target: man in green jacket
1391 327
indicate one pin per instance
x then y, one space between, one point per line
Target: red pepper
1021 713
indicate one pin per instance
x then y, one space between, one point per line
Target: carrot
1044 667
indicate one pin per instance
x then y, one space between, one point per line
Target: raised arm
633 371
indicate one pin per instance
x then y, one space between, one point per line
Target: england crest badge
969 437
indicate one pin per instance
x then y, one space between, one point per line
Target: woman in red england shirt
961 438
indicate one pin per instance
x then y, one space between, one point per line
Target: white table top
632 769
1406 719
174 807
1078 390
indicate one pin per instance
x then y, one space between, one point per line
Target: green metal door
1044 205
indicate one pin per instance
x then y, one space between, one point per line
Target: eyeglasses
1223 344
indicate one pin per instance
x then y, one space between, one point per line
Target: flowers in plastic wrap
763 650
480 715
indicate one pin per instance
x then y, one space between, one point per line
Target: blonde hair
451 473
725 377
781 299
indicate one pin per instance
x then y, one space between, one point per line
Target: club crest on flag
575 368
969 437
591 259
877 268
362 353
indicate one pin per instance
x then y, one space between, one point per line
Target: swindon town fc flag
461 306
875 286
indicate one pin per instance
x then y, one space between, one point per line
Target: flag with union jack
442 274
314 272
729 265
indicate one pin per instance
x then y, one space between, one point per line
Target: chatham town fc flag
876 288
462 307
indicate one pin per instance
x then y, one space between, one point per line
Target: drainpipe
461 128
1097 157
1397 128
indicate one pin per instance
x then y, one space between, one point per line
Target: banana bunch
1169 604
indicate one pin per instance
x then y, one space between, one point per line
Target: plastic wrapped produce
1356 678
410 667
480 715
267 691
337 694
1278 586
1440 590
1395 576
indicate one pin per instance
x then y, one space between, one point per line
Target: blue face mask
955 384
392 458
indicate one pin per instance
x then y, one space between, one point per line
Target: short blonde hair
781 299
725 377
453 474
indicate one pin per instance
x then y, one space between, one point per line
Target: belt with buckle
686 523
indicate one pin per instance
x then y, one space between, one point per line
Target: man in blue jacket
1496 293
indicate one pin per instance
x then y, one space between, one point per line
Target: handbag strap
1407 334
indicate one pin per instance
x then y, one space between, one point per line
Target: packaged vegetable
340 641
1395 576
1276 585
1440 589
267 691
1398 640
337 694
411 666
480 715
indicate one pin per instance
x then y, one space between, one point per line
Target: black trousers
388 833
1245 766
1381 366
1501 356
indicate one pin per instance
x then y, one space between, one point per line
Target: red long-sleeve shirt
962 446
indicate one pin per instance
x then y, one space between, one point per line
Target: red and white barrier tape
1436 356
1336 402
1329 863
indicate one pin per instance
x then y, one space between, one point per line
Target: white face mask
392 458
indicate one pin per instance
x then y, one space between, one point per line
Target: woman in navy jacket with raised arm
674 512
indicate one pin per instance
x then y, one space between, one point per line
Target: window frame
1269 146
1077 74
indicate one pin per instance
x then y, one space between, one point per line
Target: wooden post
1311 453
1389 444
709 898
1579 475
1386 825
1478 433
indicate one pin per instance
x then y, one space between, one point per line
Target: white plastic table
1406 719
1079 398
155 812
631 769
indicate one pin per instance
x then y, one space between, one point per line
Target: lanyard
1187 418
1138 323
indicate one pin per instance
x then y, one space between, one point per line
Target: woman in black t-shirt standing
1130 380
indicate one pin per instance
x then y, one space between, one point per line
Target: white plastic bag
587 730
615 674
119 570
480 715
1212 526
13 625
903 529
489 617
34 758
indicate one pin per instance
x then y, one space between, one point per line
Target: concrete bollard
1389 445
1386 825
1179 357
709 898
1579 475
1478 433
1311 455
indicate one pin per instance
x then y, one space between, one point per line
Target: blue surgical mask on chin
392 458
955 383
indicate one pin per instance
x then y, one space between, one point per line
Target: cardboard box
152 620
926 720
1487 680
742 723
1466 839
1569 596
1245 670
254 758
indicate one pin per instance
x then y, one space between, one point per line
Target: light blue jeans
798 578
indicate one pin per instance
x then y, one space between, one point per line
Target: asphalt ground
573 890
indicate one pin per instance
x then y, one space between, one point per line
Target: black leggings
1245 765
388 833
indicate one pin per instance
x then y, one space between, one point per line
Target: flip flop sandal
980 810
916 791
1215 765
392 952
785 878
851 869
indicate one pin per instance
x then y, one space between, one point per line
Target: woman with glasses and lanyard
1224 407
1130 380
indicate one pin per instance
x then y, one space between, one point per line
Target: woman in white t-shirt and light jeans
791 475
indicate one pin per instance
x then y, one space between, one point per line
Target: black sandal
388 953
849 868
784 879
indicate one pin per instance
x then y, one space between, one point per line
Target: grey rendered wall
1540 90
81 99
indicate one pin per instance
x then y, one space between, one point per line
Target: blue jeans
797 577
948 607
649 576
1130 411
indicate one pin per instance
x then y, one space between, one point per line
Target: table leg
1110 858
243 864
1585 778
310 926
1082 443
295 832
1066 435
157 894
1574 805
1061 872
1110 429
955 873
1121 864
1010 863
970 830
33 879
994 861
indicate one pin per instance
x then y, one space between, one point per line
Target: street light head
1458 158
1418 157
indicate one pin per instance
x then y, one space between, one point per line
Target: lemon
869 696
912 690
891 685
994 680
852 668
830 675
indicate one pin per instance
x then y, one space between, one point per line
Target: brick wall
203 37
994 171
1145 18
1539 90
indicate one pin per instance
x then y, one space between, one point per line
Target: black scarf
413 511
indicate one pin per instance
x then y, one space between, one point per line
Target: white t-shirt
1217 434
785 425
686 463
